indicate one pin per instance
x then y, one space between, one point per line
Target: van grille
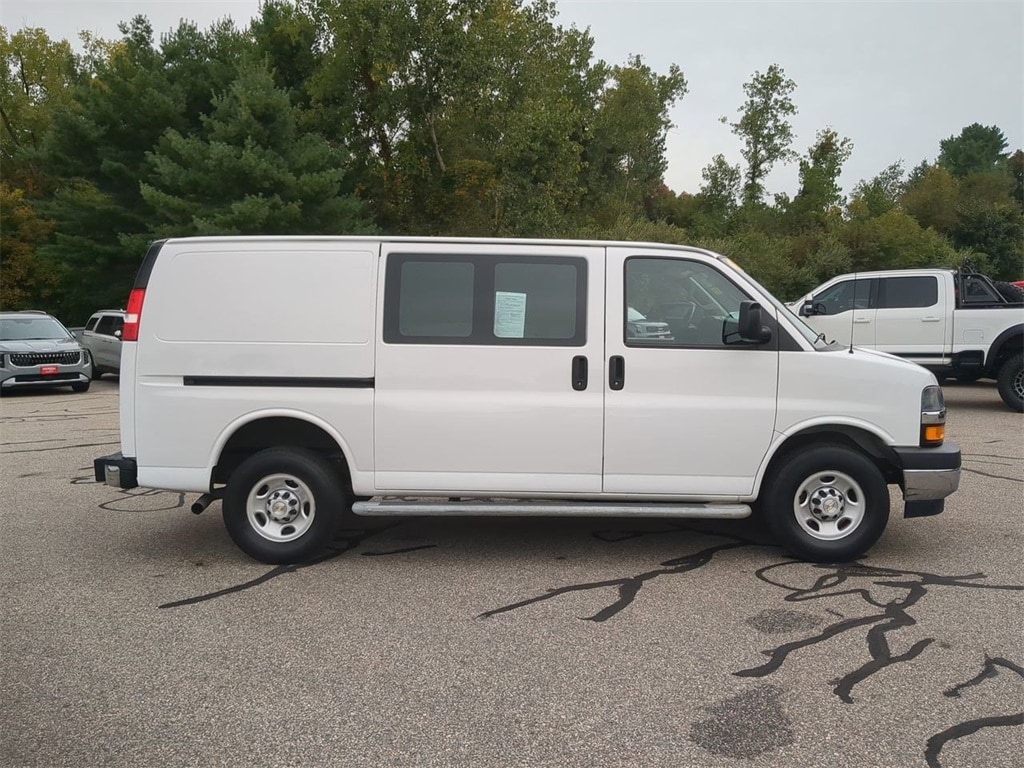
45 358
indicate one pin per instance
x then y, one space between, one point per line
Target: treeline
435 117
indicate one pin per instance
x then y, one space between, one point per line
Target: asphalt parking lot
136 634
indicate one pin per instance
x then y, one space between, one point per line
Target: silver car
37 351
638 327
102 337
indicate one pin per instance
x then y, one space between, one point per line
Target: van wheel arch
279 432
850 437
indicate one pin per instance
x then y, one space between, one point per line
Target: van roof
146 269
435 239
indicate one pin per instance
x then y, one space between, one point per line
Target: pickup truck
957 323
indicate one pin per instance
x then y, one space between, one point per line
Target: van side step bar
437 508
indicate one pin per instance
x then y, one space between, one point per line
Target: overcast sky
895 77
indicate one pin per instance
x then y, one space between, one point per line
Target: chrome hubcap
829 505
280 507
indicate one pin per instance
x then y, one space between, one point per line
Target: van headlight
933 416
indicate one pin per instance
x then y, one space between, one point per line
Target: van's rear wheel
827 504
281 504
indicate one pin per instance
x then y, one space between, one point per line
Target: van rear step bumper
435 507
116 471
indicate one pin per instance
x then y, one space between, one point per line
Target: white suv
102 337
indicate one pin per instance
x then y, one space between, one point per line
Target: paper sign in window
509 315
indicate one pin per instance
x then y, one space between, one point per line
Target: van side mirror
747 328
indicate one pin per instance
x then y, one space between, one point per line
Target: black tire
1011 382
839 490
1010 292
96 373
82 386
302 487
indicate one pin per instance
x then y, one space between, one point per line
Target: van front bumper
929 476
116 471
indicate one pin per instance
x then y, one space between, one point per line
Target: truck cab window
909 292
844 296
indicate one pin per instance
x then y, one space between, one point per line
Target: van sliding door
489 369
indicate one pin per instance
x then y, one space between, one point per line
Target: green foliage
977 148
86 247
765 257
879 195
932 200
287 38
94 156
820 196
625 151
764 128
35 75
895 240
1015 166
249 172
719 197
436 117
25 281
997 231
633 229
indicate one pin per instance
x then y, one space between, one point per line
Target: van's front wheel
827 504
281 504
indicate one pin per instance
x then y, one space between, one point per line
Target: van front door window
677 302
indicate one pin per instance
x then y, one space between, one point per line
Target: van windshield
798 322
32 329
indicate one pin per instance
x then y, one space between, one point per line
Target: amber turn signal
933 434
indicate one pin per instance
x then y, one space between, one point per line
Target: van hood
889 358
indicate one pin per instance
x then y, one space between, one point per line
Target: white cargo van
301 379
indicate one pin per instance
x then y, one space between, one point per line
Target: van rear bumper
116 471
929 476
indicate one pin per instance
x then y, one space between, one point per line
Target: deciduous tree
764 127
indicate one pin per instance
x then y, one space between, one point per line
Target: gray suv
37 351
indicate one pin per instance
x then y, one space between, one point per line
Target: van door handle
616 372
579 373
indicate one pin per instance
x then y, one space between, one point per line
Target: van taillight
133 315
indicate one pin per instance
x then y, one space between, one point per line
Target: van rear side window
436 299
488 300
